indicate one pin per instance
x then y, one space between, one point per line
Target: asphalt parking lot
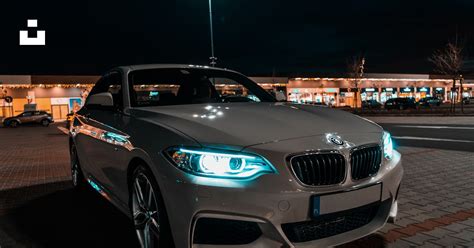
39 209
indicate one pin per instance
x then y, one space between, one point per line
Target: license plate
332 203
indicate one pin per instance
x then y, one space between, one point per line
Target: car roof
173 66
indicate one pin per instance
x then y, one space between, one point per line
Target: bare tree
355 68
449 61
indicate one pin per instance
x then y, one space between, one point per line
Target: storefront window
467 92
388 93
346 96
439 92
407 92
422 92
369 94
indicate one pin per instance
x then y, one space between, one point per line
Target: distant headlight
387 145
221 164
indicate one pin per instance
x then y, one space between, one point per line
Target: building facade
60 95
57 95
380 87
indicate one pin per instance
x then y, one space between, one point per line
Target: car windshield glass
158 87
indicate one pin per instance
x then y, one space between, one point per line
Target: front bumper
271 201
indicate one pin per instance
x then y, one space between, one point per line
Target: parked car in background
371 104
196 168
29 117
400 103
468 100
429 102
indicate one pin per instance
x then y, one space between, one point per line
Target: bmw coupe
199 157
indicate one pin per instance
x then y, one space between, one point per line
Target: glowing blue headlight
221 164
387 145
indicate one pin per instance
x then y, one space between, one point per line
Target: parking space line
431 139
435 127
64 130
427 225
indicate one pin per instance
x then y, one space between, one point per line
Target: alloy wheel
145 212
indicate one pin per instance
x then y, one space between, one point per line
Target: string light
31 86
372 79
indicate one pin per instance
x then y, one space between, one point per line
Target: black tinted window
111 83
158 87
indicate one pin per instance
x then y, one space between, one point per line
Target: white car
200 157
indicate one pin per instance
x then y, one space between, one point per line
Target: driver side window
112 83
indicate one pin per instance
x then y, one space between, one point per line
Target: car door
26 117
37 117
103 144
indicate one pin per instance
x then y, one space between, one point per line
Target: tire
45 122
13 124
149 217
77 176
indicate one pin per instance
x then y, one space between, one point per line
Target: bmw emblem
335 140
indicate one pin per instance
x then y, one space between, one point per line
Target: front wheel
13 124
148 212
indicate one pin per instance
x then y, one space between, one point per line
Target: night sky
256 37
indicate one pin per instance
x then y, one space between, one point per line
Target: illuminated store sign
389 90
331 90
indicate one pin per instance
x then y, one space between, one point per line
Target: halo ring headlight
219 163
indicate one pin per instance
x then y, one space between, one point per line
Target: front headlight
387 145
222 164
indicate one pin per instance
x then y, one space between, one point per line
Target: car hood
246 124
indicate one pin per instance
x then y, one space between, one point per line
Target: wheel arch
15 119
132 165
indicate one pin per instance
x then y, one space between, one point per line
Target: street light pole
212 58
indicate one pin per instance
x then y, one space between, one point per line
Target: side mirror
280 96
100 100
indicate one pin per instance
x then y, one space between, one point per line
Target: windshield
159 87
